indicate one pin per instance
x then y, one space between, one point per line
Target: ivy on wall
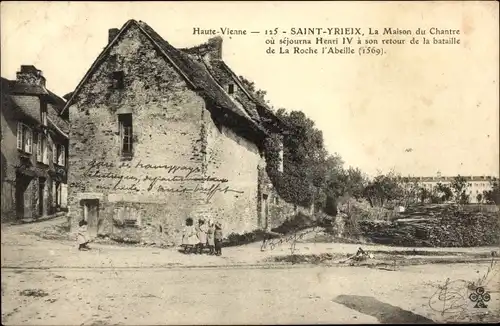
291 187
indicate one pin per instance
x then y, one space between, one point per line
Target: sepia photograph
250 163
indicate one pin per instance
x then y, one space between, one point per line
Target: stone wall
166 135
183 165
236 160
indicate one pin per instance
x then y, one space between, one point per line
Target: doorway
57 195
41 199
24 207
90 212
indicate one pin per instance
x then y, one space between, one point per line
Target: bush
331 206
296 223
235 239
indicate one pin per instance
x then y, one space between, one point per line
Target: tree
444 192
459 185
383 189
479 198
493 195
331 206
410 190
305 161
424 194
250 86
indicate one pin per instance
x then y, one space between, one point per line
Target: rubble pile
466 229
439 226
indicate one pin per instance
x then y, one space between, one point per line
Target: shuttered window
39 145
24 138
20 134
54 153
62 155
125 121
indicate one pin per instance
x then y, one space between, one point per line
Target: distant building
34 147
475 184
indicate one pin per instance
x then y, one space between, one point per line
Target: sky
417 110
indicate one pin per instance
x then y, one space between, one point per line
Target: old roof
27 89
56 100
68 96
217 66
56 120
28 105
194 72
198 74
221 65
5 85
15 88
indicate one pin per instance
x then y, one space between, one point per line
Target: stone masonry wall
166 180
236 160
166 133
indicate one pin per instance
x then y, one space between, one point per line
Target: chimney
112 32
30 75
215 45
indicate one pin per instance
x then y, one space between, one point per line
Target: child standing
189 238
83 242
201 231
218 239
211 237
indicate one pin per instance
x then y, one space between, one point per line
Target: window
45 149
24 138
43 116
118 80
54 153
42 153
230 89
125 121
62 155
39 147
59 154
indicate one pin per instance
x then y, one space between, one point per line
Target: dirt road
233 296
51 283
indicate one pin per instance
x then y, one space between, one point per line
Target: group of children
196 238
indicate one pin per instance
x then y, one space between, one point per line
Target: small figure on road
83 242
201 231
211 237
218 239
189 238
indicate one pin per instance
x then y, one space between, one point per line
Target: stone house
159 134
34 147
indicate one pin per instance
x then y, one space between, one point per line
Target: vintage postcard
223 163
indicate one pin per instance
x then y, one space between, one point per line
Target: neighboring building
475 184
34 147
161 134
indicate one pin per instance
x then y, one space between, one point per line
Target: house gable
106 57
194 74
